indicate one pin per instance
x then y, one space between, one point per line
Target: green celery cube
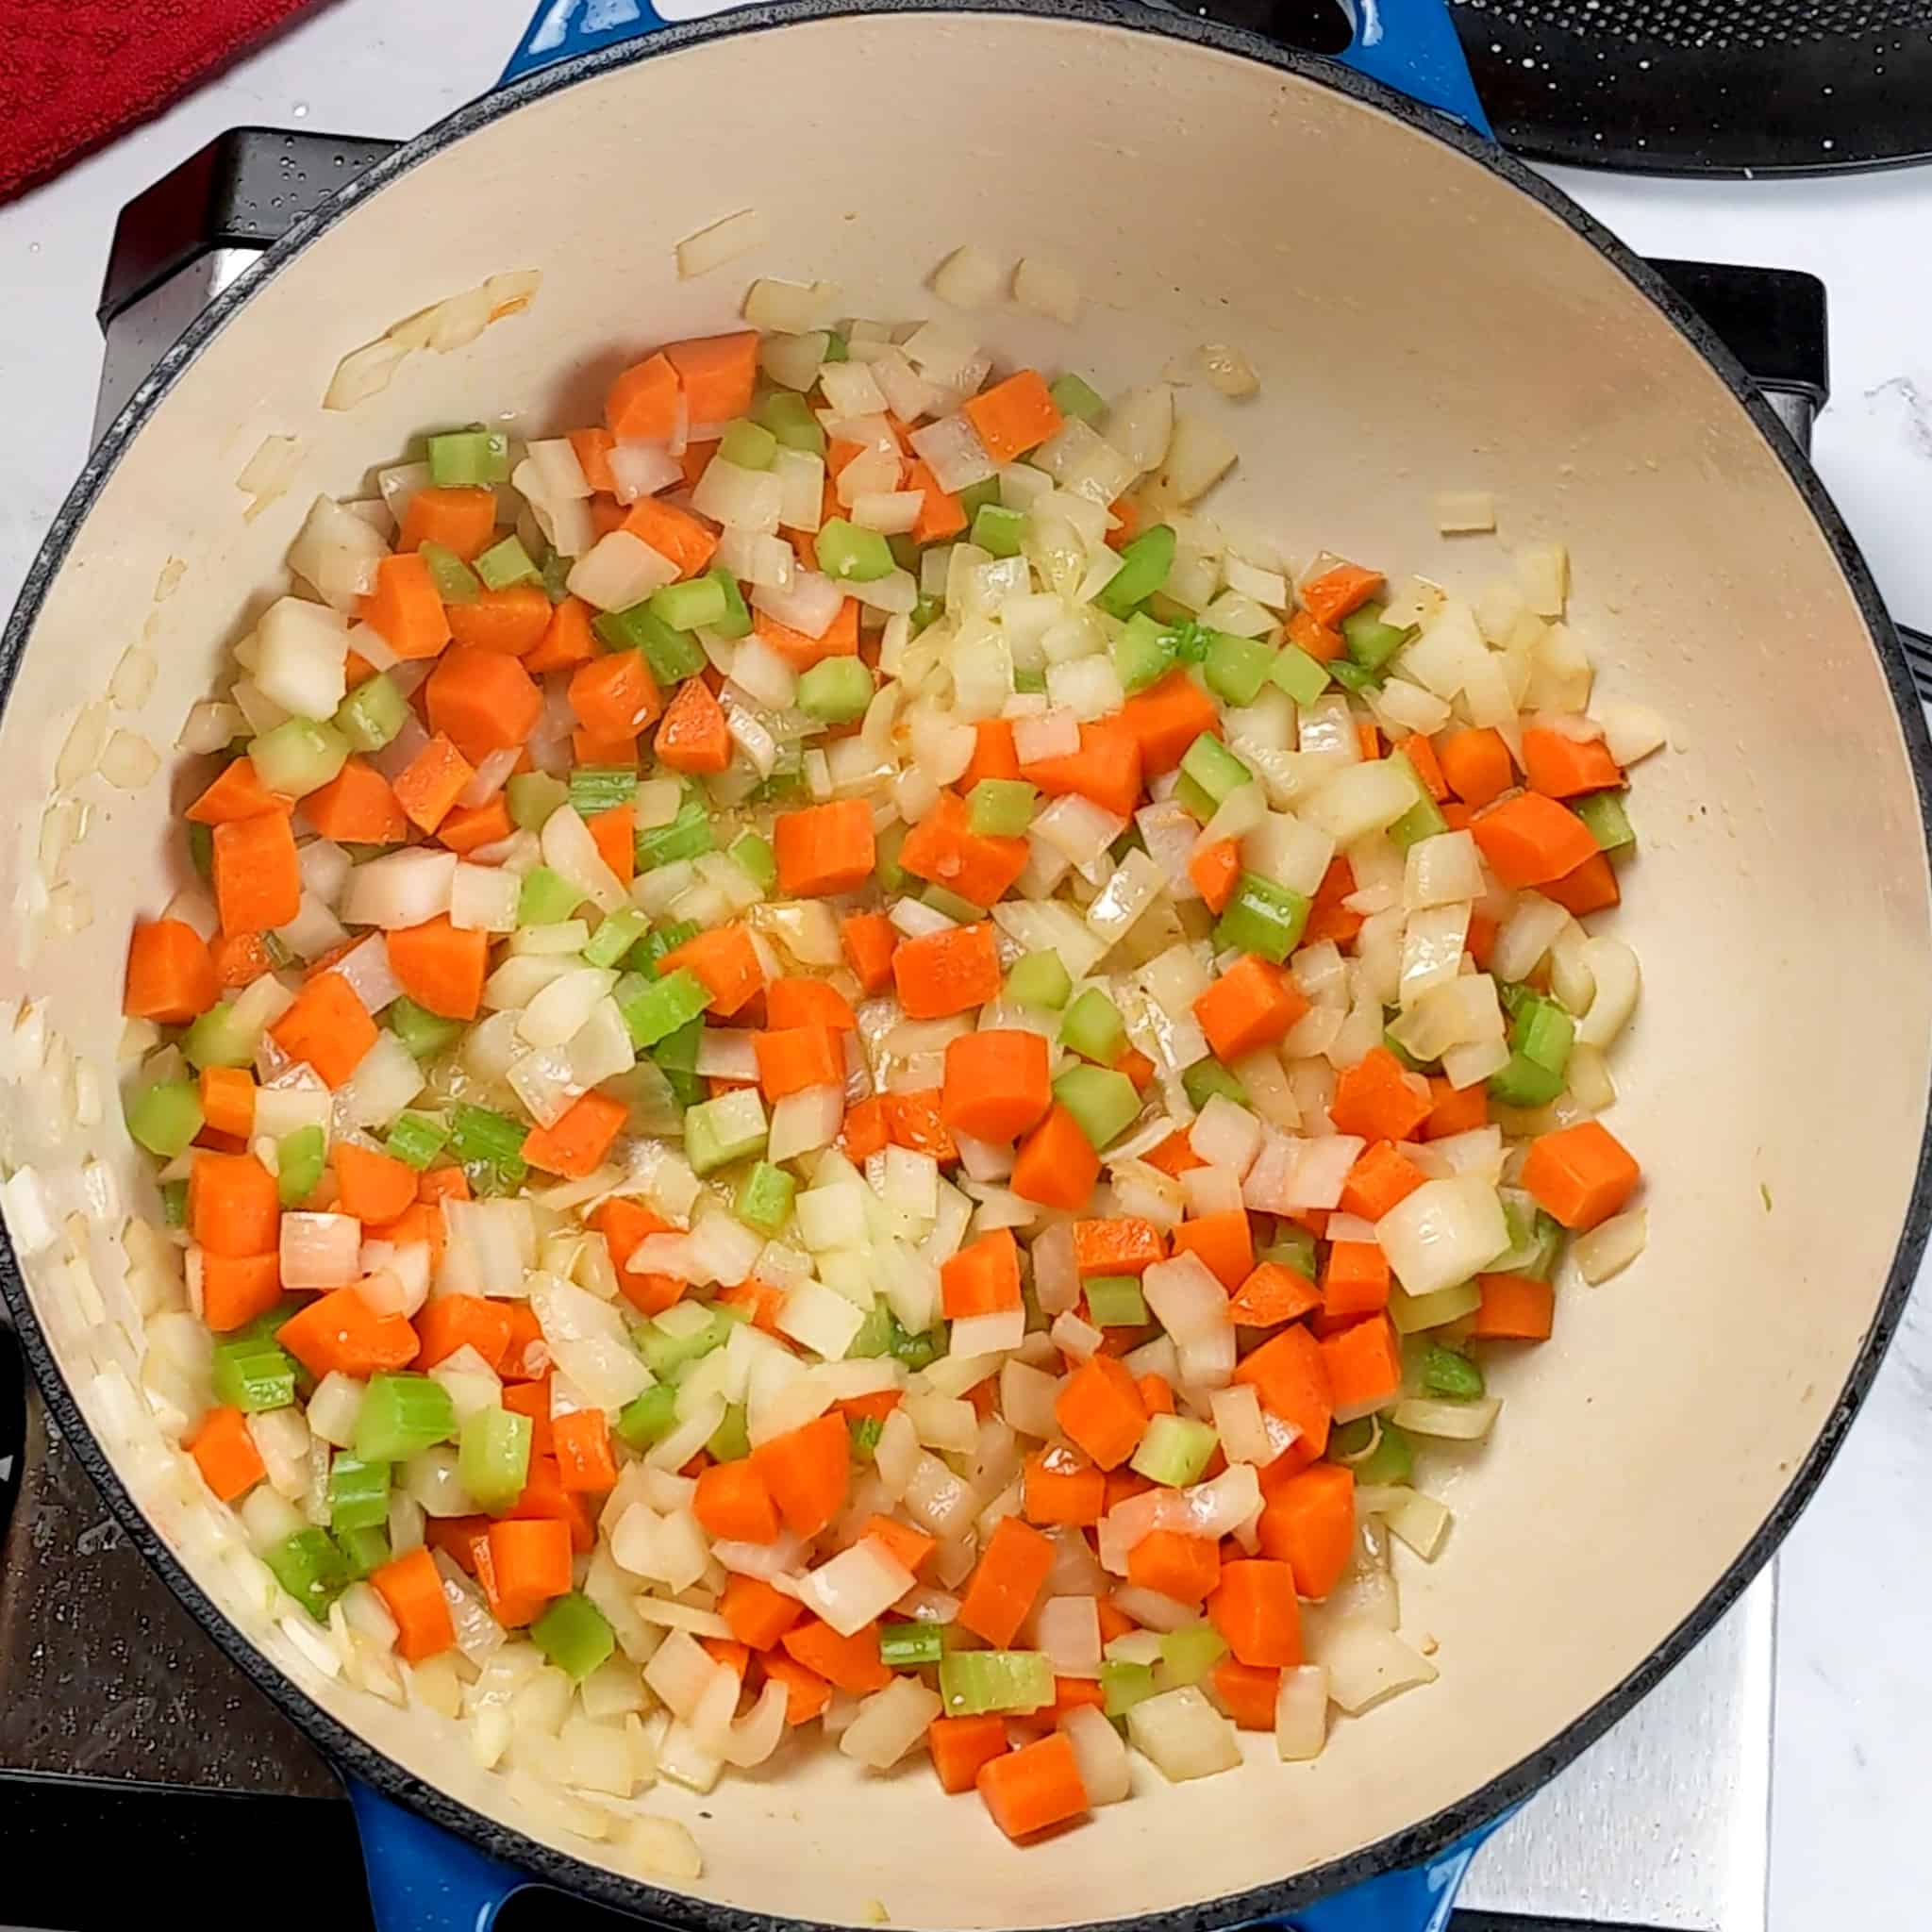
1237 667
1103 1103
466 457
166 1117
1523 1083
648 1418
999 530
507 563
973 1682
736 622
1449 1374
1144 566
401 1414
493 1456
849 555
1040 979
357 1493
1125 1685
299 756
764 1197
1115 1301
790 419
748 445
1207 1077
910 1646
1371 642
1002 807
730 1442
310 1567
1214 768
1262 917
1303 678
655 1010
1391 1459
1143 653
299 1160
595 788
695 605
416 1139
687 836
253 1372
1605 820
1075 396
1189 1653
532 796
454 581
422 1032
717 1132
754 856
574 1635
615 935
836 690
1094 1028
372 714
547 897
1174 1451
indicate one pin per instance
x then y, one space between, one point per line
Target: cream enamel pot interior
1422 315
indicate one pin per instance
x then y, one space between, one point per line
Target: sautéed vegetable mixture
844 1080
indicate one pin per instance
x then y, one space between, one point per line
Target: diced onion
1182 1735
1443 1233
1301 1712
857 1585
1366 1664
1610 1248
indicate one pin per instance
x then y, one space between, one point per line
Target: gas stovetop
124 1730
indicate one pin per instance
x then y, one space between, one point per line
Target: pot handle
1410 45
423 1878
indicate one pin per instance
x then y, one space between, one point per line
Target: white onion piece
952 449
1444 1233
1366 1664
1613 967
1610 1248
1301 1713
808 606
1105 1774
618 571
570 851
1456 1422
401 889
320 1250
643 469
890 1723
1067 1628
1182 1735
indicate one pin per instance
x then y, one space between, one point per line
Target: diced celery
1423 819
1303 678
402 1414
910 1646
925 610
648 1418
1207 1077
1094 1028
547 897
668 1352
299 1158
748 445
1605 820
554 576
372 714
1449 1374
425 1034
365 1551
1352 677
736 622
875 1337
1237 667
764 1197
1523 1083
299 756
1103 1103
1293 1247
1174 1451
1409 1063
1040 979
489 1146
717 1132
655 1010
493 1456
174 1203
836 350
835 691
357 1493
201 849
1075 396
466 457
693 605
1125 1685
615 935
574 1635
1214 768
416 1139
1391 1461
1261 917
917 1351
1190 797
886 867
730 1442
1002 807
310 1567
976 494
214 1040
595 788
532 796
1188 1654
454 581
1143 653
790 419
754 856
999 530
851 556
676 1057
1371 642
1544 1032
689 835
165 1117
672 654
973 1682
660 940
865 1432
253 1372
1144 565
507 563
1192 639
1115 1301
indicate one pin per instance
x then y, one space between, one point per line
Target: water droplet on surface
300 110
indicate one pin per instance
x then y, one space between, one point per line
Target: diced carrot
532 1558
1308 1524
240 958
607 514
807 1693
864 1132
695 461
404 607
762 1302
993 755
411 1587
1377 1099
1101 1412
674 534
997 1083
1251 1006
567 641
328 1026
238 792
1355 1280
1289 1375
1214 870
1183 1567
1246 1692
462 1320
726 960
1319 641
443 1183
1328 918
470 826
257 876
943 848
592 448
1563 767
1476 764
1114 1622
1166 718
1057 1165
1106 768
1590 888
1070 1693
982 1278
528 1358
460 519
358 806
544 1499
797 1001
1581 1174
1381 1179
1174 1154
1223 1242
1369 739
1530 840
513 620
758 1615
171 977
1453 1111
1457 817
840 638
1421 755
1013 1566
732 1503
589 749
1332 595
429 785
940 514
945 973
911 1548
1125 1244
1253 1606
824 848
227 1100
960 1746
1515 1307
340 1331
869 939
615 695
235 1289
1272 1294
1061 1489
641 405
793 1058
1156 1394
718 374
735 1657
694 735
849 1663
441 966
371 1184
574 1143
1126 515
225 1454
1036 1787
1364 1364
1013 416
805 1470
482 701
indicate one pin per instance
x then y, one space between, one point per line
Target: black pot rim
1415 1844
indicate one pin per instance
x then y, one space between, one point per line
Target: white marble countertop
1853 1684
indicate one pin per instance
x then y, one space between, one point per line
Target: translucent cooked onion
1610 1248
643 469
808 605
1366 1664
857 1585
618 571
1182 1735
1301 1712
